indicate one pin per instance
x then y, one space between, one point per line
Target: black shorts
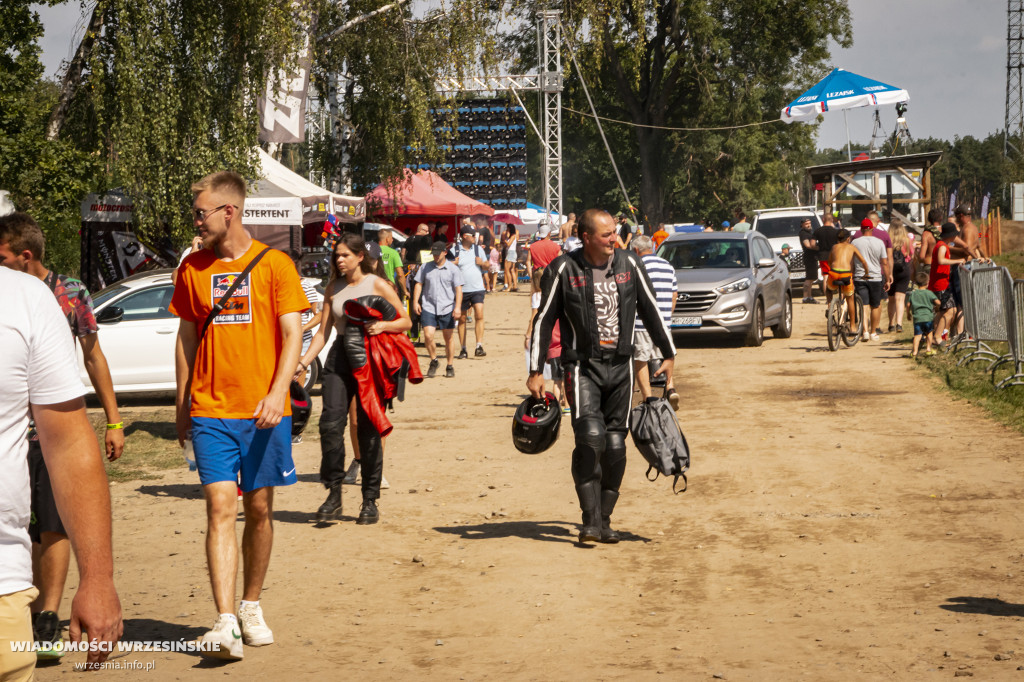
556 368
900 286
471 299
45 518
946 299
870 292
810 266
954 286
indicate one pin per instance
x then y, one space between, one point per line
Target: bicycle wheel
833 324
852 336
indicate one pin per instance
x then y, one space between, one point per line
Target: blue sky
949 54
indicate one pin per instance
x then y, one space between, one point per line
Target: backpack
656 434
899 264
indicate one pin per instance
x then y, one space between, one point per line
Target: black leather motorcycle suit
598 380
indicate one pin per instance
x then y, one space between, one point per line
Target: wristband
118 425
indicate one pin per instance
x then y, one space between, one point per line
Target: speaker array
485 151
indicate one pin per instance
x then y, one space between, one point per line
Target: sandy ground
845 519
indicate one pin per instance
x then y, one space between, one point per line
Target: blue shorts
224 447
922 328
437 321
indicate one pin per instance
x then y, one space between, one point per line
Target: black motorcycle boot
331 508
608 500
589 494
368 513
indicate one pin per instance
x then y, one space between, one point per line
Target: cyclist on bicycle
840 272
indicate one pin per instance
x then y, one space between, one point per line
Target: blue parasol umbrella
842 90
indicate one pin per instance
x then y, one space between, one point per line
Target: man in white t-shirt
871 281
471 259
38 371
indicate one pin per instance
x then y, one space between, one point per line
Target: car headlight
733 287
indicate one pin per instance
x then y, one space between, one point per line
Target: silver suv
729 283
782 226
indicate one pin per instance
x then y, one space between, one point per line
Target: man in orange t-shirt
233 395
659 236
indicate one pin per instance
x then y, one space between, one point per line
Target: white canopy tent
288 212
278 181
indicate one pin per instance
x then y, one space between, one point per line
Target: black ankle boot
608 500
331 508
368 513
590 504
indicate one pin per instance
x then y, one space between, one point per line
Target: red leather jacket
378 362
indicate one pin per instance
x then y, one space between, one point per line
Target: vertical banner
283 108
954 190
986 199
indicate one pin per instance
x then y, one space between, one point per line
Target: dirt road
845 519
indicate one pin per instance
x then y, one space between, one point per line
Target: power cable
597 119
641 125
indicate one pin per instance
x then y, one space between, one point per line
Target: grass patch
974 384
1013 261
151 444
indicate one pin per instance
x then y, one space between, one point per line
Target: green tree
380 80
48 179
698 64
168 94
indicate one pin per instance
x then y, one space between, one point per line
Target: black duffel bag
656 434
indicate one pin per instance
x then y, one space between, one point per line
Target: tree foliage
695 64
47 179
380 79
170 95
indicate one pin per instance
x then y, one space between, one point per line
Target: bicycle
838 322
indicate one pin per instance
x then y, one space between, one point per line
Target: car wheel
784 329
755 334
313 374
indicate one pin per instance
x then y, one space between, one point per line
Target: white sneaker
874 337
384 485
254 629
225 640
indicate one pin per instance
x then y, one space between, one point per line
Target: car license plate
686 321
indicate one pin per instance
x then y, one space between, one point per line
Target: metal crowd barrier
989 305
1015 327
967 335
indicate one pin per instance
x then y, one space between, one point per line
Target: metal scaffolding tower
547 81
1013 130
549 34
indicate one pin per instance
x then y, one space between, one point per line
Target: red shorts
823 264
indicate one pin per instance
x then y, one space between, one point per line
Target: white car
137 333
782 226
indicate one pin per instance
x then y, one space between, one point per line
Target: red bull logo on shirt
237 309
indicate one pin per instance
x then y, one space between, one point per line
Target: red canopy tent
423 196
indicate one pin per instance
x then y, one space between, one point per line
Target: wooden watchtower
901 184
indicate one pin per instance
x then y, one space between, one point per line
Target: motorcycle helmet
302 407
535 424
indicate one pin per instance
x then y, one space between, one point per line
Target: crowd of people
248 330
884 262
598 327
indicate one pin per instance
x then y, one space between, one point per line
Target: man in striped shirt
663 277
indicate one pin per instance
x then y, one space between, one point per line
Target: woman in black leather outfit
351 278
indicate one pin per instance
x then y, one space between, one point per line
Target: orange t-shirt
659 237
236 362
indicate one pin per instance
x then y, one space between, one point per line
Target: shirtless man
966 246
840 272
969 241
929 237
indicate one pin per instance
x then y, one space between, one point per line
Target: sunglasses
201 215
